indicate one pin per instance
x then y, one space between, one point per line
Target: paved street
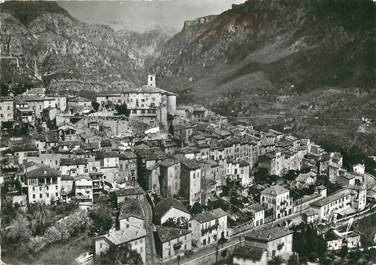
150 246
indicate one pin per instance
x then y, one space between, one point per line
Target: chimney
151 80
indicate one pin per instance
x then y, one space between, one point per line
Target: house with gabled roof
172 242
208 227
43 185
277 198
131 214
133 238
170 208
275 240
247 255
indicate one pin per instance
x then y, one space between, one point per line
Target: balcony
209 229
83 197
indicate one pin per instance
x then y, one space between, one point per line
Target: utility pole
216 253
1 185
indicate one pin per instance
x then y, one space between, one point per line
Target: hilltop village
132 174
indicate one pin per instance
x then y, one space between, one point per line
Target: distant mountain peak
27 11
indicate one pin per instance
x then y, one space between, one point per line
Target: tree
291 175
261 175
275 261
8 213
101 220
122 109
95 105
344 251
180 222
40 214
293 260
196 208
308 243
119 255
52 235
18 230
36 244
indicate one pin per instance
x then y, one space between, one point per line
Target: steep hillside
66 53
311 63
305 43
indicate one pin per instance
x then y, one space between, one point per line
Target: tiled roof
253 253
43 172
150 154
190 163
101 154
332 197
209 215
169 233
129 192
268 234
78 99
106 143
188 150
169 162
163 206
131 207
127 155
256 207
275 190
122 236
73 161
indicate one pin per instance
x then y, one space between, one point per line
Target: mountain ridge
67 52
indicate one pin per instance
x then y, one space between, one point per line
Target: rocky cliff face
67 53
304 43
311 63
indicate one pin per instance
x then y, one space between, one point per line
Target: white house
275 240
170 208
172 242
43 185
278 199
208 227
329 206
83 190
134 238
131 214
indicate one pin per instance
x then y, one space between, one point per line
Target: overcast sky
139 15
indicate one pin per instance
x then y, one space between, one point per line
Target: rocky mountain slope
276 43
300 65
69 54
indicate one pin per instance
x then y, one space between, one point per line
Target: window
40 195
